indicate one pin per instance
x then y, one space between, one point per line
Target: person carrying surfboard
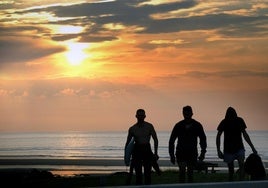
128 162
142 154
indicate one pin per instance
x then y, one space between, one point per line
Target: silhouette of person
187 132
233 148
142 155
155 166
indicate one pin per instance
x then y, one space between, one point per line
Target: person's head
230 113
140 115
187 112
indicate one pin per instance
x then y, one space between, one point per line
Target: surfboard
128 152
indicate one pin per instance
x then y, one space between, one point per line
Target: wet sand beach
85 166
90 173
90 166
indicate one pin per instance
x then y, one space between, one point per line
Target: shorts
186 156
230 157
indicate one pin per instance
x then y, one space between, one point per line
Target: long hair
230 114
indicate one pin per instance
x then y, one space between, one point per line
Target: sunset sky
88 65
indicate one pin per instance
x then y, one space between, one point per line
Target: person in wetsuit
142 155
187 132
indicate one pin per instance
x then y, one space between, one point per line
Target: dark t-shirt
186 133
232 134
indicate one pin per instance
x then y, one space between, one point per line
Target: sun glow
76 53
66 29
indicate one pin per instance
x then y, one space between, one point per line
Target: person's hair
187 109
140 111
230 113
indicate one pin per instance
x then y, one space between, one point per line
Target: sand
86 166
69 167
88 172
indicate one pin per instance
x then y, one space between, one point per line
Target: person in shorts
233 128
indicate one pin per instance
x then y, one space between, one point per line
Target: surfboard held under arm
128 152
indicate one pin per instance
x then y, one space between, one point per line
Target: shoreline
72 167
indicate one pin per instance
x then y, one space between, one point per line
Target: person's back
187 133
233 128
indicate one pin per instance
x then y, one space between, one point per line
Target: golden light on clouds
178 41
67 29
113 26
76 53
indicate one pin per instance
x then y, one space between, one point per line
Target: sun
76 53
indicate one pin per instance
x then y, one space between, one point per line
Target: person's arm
154 136
171 146
247 139
203 144
218 144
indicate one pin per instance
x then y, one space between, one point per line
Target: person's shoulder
132 127
179 124
241 122
240 118
148 124
195 121
223 122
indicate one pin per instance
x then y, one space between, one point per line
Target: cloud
136 13
227 74
5 92
221 74
92 38
63 37
72 87
64 102
126 12
94 17
78 88
206 22
25 49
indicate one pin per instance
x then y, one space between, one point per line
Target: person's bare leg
241 168
231 171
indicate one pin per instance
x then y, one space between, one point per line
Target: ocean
99 145
84 145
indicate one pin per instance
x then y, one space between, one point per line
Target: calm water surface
86 145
